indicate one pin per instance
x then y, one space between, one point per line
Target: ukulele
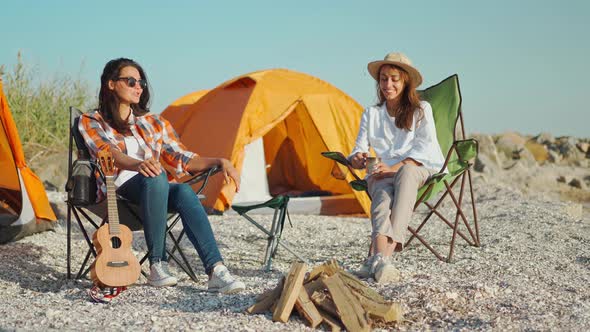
115 264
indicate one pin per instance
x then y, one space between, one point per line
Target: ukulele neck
112 206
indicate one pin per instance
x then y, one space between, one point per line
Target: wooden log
273 307
351 312
266 300
387 312
333 264
360 287
332 323
323 301
329 268
293 285
307 310
315 273
316 285
372 302
326 306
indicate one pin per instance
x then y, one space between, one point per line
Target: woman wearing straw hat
400 129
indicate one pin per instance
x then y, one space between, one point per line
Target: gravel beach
531 272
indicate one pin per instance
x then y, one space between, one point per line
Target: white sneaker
222 281
385 272
160 275
166 267
368 268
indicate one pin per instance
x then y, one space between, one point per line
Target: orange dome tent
296 115
24 207
181 107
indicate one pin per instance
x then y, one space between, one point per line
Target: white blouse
133 151
392 144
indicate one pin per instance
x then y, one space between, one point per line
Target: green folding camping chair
445 99
279 205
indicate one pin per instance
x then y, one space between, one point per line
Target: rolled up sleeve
94 135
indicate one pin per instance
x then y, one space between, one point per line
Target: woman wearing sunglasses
138 141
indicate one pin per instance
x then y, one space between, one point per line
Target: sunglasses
131 81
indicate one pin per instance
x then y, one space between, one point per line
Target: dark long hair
108 101
409 101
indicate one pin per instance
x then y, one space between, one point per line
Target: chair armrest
337 157
359 185
437 176
341 159
203 177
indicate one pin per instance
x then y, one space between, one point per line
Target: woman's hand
359 160
230 173
381 170
149 168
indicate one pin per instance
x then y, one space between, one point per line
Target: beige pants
393 200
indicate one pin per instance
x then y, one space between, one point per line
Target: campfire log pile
328 295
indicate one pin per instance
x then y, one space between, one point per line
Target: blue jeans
155 197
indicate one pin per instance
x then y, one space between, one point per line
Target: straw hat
397 59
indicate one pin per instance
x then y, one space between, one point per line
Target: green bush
40 108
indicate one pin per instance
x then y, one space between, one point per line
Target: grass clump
40 108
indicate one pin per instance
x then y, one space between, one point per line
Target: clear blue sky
523 65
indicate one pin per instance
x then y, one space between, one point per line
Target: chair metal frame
457 147
279 204
80 212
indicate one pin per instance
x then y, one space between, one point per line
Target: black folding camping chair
81 189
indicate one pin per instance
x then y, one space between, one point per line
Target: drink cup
371 162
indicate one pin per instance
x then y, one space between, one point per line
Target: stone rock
583 146
577 183
553 156
539 151
544 138
487 147
510 138
567 148
52 169
485 164
487 161
525 157
57 201
511 146
561 179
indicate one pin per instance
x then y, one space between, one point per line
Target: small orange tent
24 207
298 117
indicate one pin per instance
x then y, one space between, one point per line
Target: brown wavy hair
409 101
108 101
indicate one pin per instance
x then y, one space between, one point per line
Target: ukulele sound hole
115 242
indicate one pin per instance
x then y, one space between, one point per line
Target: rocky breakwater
542 165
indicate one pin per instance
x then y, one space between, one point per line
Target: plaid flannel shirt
155 135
